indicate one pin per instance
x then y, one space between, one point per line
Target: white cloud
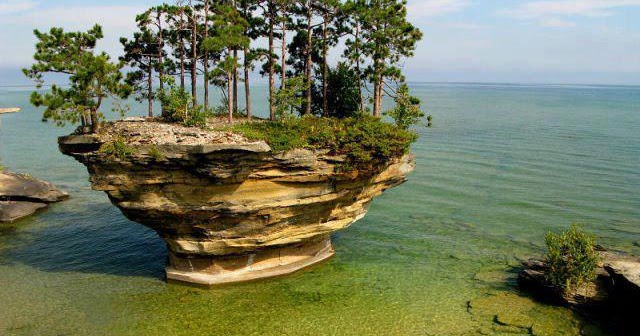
556 23
15 6
554 13
428 8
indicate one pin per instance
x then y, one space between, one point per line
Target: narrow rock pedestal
272 262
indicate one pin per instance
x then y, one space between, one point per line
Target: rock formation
611 297
9 110
230 210
22 195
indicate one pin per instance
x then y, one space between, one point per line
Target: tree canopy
198 43
92 77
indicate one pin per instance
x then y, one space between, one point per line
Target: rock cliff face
235 211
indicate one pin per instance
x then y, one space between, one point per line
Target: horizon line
427 82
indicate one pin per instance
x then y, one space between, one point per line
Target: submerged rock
22 195
229 209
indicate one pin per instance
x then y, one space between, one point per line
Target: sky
485 41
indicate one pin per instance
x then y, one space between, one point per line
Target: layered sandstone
230 209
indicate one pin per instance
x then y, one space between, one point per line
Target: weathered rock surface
22 195
235 211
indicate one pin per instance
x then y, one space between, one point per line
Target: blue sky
514 41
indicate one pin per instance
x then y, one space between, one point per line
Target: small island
238 195
229 208
9 110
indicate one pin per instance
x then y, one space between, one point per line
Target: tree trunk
272 108
94 121
309 68
325 71
83 121
182 50
235 80
358 68
283 85
247 87
378 96
206 55
150 86
160 55
230 96
194 59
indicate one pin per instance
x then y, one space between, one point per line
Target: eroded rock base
211 271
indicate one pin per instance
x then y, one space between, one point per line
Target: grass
365 141
155 153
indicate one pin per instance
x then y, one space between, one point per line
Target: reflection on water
438 256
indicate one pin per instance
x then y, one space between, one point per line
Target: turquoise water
502 166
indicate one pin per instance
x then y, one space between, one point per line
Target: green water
502 166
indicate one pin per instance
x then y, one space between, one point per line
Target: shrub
343 95
572 258
365 141
198 117
407 110
178 106
117 148
155 153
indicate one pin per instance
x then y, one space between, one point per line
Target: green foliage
155 153
117 148
343 95
572 258
288 99
365 141
407 110
179 107
92 77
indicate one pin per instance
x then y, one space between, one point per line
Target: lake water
502 166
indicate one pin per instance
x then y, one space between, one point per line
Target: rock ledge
22 195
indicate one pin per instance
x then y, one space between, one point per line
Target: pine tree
230 28
253 31
145 53
177 37
386 38
92 77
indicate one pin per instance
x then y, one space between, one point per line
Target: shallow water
502 166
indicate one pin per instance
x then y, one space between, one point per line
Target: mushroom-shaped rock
235 211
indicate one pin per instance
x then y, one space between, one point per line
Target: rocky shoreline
22 195
229 209
612 297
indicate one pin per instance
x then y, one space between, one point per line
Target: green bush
407 110
343 95
365 141
155 153
177 105
572 258
117 148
